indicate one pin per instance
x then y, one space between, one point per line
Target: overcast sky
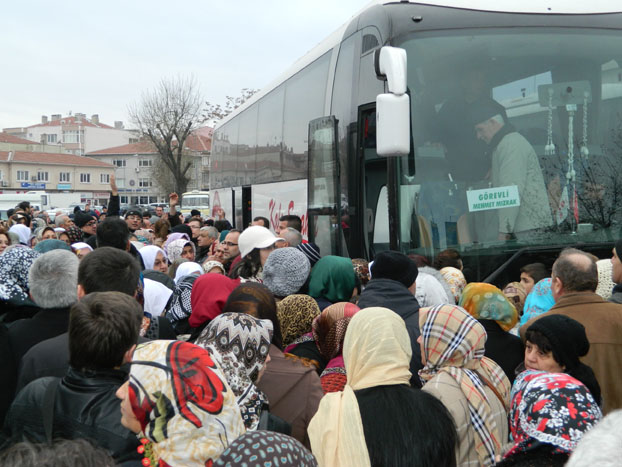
98 57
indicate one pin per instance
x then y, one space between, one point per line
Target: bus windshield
192 201
517 137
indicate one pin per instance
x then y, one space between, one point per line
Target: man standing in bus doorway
514 163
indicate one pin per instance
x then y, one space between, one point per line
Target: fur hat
285 272
396 266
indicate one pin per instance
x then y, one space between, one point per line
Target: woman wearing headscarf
209 295
516 294
156 296
154 258
456 281
296 314
378 419
180 248
186 269
554 343
239 344
329 332
474 389
75 234
267 448
332 280
550 413
539 301
180 306
177 400
15 264
23 232
487 304
292 388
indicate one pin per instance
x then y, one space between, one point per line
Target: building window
145 162
123 199
73 136
120 162
144 182
22 175
133 140
104 178
42 176
65 177
85 178
52 138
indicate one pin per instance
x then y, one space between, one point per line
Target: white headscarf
187 268
156 297
149 253
22 232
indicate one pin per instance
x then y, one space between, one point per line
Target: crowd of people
168 340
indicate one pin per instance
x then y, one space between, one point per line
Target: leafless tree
166 115
212 113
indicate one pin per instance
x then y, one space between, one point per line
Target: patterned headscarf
180 306
175 236
540 300
239 343
453 342
516 294
376 352
332 278
485 301
183 403
329 332
361 269
456 281
14 266
176 247
296 314
75 234
266 448
550 408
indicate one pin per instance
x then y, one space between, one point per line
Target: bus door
373 186
323 187
236 218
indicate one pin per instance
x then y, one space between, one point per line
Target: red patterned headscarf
184 406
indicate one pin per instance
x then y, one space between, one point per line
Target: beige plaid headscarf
453 342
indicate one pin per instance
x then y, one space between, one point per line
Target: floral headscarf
14 266
361 269
485 301
456 281
260 447
329 332
239 343
75 234
332 278
183 403
540 300
550 408
296 314
516 294
453 342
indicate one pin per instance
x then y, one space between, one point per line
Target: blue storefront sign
34 186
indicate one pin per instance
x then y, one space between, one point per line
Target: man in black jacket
103 332
392 286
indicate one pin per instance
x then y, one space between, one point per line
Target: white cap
255 236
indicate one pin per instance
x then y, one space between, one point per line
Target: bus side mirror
392 108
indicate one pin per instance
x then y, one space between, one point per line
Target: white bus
308 142
195 200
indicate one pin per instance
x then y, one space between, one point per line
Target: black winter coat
505 349
85 406
395 296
